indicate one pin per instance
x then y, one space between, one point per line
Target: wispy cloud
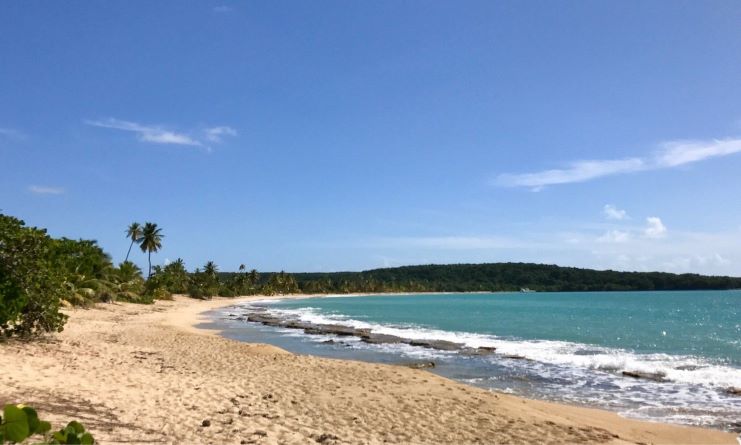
645 246
614 236
579 171
216 134
11 133
159 135
670 154
45 190
612 212
685 152
447 242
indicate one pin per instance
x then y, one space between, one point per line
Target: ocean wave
676 368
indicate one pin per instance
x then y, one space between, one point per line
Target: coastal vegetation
498 277
19 422
40 274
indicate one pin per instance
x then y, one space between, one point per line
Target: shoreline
150 373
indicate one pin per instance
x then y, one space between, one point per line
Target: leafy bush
73 433
31 286
19 422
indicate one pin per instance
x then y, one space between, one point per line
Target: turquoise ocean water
572 347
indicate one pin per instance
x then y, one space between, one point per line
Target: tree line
505 277
40 274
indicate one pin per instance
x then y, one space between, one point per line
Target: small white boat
526 290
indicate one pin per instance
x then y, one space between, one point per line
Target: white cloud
654 227
594 247
216 134
579 171
671 154
685 152
158 135
612 212
45 190
614 236
448 242
146 133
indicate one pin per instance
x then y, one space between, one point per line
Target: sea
568 347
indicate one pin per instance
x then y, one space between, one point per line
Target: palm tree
151 241
134 232
254 277
210 269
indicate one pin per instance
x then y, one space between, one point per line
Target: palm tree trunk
149 257
127 253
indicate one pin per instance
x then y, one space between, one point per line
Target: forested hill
503 277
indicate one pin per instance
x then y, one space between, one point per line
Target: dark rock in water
313 330
265 319
337 329
421 365
328 342
688 368
587 352
377 339
481 350
294 324
733 391
206 423
655 376
441 345
514 357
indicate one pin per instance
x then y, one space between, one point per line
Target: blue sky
342 135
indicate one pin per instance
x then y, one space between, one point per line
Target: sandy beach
146 373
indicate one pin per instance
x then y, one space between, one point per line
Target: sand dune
136 373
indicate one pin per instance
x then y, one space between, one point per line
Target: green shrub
31 286
19 422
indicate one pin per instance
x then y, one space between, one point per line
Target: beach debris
327 438
206 423
260 433
655 376
734 391
420 365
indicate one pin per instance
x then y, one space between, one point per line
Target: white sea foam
692 370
